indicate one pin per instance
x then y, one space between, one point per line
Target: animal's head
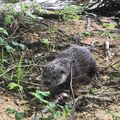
56 72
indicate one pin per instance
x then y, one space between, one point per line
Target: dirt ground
61 33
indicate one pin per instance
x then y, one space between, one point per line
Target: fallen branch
73 95
92 98
98 98
8 70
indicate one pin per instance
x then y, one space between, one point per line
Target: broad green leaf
9 48
10 110
2 30
9 19
57 114
13 85
66 111
19 115
94 90
19 44
114 115
40 95
106 33
6 45
15 43
43 93
86 33
109 25
34 17
2 42
22 46
45 42
51 105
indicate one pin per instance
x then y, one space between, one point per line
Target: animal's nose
47 83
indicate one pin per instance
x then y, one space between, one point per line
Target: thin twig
31 83
13 32
80 76
13 67
71 87
116 62
88 24
98 98
8 70
111 94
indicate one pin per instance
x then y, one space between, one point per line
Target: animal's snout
47 83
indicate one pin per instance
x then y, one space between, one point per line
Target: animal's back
82 60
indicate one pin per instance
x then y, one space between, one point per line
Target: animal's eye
62 72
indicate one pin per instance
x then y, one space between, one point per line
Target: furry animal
58 71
